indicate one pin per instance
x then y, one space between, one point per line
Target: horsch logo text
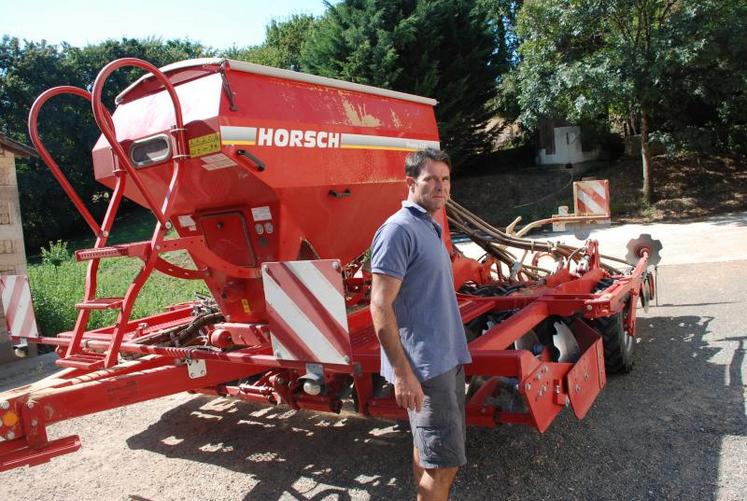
294 138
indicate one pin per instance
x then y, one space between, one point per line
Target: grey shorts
439 430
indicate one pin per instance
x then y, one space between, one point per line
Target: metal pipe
33 125
472 225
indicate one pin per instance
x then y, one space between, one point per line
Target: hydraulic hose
493 240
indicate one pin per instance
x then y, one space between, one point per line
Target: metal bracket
227 87
315 369
196 368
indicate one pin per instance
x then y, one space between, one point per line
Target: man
417 321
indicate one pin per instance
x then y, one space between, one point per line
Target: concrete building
562 143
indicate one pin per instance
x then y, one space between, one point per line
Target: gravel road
675 428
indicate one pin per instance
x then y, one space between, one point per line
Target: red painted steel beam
88 394
84 397
17 453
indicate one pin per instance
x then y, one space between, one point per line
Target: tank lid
279 73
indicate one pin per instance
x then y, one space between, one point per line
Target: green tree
282 45
440 49
66 123
502 18
707 97
586 60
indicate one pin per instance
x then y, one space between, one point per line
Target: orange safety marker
591 198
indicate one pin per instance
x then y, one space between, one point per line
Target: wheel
619 346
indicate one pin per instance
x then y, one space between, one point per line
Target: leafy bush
56 254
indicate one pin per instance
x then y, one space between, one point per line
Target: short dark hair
416 160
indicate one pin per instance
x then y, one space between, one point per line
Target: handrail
33 125
105 122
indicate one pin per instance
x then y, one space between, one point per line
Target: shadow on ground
652 434
306 455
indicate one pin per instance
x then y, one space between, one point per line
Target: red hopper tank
283 165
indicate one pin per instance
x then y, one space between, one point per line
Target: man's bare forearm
407 390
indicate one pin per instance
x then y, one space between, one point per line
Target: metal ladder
148 251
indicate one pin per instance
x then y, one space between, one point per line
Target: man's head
428 177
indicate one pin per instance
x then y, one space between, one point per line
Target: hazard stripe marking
27 322
281 351
311 276
20 315
18 306
8 283
299 324
588 204
592 190
15 296
292 346
591 197
600 201
308 302
599 189
334 277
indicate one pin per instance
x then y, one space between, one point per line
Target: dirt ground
674 428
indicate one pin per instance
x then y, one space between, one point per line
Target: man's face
431 188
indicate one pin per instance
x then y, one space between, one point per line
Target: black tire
619 347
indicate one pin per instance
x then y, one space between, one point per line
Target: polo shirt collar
417 211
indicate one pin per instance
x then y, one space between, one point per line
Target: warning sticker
261 213
217 161
203 145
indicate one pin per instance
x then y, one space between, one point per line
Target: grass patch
56 289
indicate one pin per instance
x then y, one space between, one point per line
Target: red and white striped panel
18 307
591 198
306 306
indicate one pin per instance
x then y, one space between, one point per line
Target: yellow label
199 146
245 305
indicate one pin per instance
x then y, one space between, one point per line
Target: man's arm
407 389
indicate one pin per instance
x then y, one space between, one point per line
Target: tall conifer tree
436 48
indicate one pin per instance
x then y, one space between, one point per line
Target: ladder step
101 303
136 249
82 361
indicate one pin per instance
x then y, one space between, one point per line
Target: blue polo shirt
408 246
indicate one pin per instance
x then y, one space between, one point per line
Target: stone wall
12 250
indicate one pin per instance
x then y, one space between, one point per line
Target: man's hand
408 392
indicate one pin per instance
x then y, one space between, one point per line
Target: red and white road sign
19 309
306 307
591 198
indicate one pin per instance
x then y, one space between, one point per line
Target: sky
218 24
